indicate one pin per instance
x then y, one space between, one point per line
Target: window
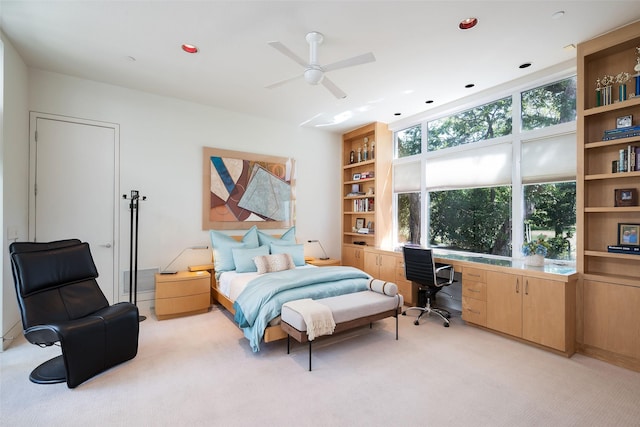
409 142
408 210
484 122
549 105
472 220
550 211
461 186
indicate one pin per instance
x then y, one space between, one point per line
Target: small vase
534 260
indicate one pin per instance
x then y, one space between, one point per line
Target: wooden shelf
609 284
377 189
604 209
613 107
620 175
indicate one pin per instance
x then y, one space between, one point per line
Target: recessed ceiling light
468 23
559 14
469 86
130 59
397 114
569 47
430 101
525 65
189 48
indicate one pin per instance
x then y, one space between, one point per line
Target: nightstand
323 262
186 292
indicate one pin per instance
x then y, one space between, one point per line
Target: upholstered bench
349 311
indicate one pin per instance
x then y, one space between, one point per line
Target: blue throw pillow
243 258
267 239
222 245
295 250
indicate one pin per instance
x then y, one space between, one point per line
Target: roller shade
549 159
406 177
481 167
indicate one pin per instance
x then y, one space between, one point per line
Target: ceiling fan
314 73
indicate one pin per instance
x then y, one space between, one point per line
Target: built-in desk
536 305
533 304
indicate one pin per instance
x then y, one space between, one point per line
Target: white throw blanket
317 316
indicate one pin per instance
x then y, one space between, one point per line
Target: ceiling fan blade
356 60
335 90
282 82
287 52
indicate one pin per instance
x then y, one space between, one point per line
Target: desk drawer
477 290
474 275
474 311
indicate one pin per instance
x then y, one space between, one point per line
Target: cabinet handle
517 286
473 311
473 290
473 275
526 287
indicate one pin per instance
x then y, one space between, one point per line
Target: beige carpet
199 371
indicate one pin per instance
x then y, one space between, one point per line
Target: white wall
14 167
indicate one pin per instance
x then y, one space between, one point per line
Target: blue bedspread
262 299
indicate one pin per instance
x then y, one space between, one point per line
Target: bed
254 295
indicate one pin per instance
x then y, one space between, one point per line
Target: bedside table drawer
179 305
183 287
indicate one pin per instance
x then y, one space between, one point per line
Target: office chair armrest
442 267
42 335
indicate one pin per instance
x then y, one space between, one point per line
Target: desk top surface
550 267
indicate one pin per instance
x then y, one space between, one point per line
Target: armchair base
50 372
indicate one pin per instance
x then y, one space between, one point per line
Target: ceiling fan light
313 76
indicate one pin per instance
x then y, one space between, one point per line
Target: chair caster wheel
416 323
445 324
448 316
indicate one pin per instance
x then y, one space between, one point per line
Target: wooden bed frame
271 333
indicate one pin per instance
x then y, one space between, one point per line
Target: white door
73 188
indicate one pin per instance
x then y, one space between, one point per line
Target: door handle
108 245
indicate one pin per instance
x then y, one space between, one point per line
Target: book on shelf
363 205
624 249
626 132
628 160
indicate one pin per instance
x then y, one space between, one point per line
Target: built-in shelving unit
372 177
609 284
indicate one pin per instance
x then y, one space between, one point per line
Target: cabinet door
543 312
352 256
387 268
504 303
371 264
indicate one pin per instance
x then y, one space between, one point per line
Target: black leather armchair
421 268
60 301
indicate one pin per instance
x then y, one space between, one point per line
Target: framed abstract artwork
241 190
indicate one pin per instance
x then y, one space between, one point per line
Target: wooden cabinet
474 296
597 214
353 255
532 308
380 264
183 293
370 201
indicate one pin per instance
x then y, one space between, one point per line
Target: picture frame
356 176
240 190
359 223
625 197
628 234
624 121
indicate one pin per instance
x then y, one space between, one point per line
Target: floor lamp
134 207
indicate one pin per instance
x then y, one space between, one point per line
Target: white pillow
273 263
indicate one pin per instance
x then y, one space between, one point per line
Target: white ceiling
420 52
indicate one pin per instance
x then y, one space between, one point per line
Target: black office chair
60 301
420 268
